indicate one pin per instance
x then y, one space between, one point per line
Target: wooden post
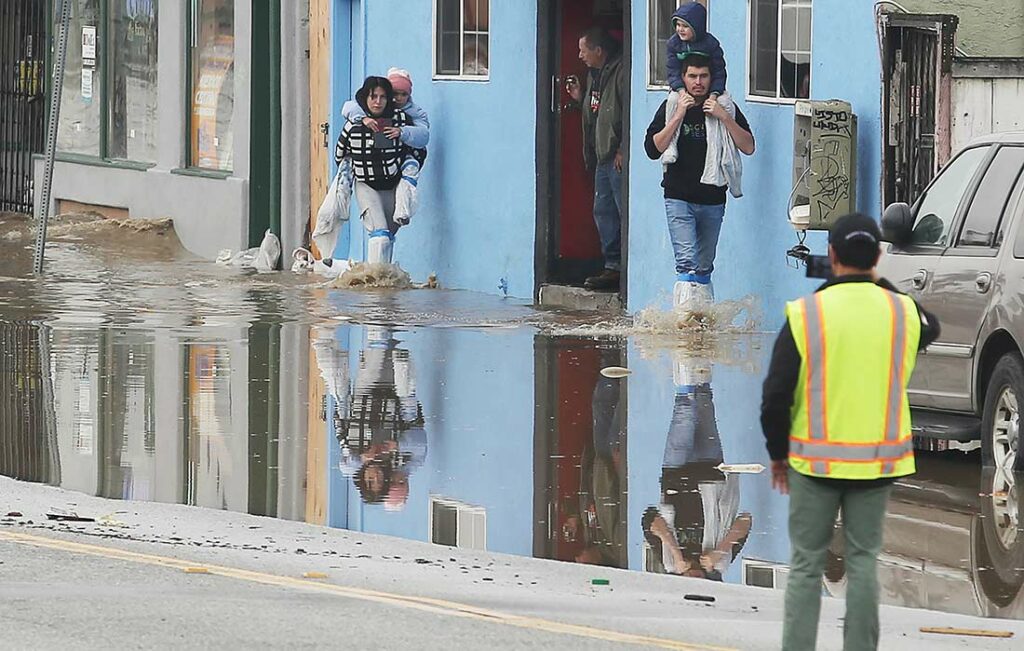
319 105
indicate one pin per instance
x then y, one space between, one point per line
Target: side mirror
897 224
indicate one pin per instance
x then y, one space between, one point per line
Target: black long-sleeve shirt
784 373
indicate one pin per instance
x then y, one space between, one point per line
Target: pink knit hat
400 79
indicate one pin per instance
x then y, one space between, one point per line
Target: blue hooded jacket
696 16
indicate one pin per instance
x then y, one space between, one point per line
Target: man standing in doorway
602 108
695 210
836 419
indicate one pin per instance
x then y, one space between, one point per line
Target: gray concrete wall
209 214
993 28
294 125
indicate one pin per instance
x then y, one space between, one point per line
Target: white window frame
477 513
462 51
765 99
651 84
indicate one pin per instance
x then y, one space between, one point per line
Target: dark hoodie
696 15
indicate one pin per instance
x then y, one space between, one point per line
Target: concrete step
578 298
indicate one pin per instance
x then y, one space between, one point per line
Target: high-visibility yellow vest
851 416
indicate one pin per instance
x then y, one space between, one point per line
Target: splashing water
371 275
728 317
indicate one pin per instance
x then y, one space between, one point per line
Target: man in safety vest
836 420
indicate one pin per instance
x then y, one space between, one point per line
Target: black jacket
784 373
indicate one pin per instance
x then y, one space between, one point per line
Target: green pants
813 507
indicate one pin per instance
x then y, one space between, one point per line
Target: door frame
548 191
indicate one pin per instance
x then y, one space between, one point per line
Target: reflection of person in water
380 429
601 491
697 530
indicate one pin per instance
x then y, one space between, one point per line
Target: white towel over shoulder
722 166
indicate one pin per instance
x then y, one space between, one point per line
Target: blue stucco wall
478 192
756 235
476 223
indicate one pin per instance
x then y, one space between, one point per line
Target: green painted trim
201 172
265 121
274 82
93 161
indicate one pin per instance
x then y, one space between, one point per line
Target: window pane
213 84
448 36
477 15
938 207
474 55
659 29
83 87
990 199
764 30
133 97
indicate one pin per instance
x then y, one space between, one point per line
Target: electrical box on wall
824 164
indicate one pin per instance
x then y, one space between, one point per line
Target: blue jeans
694 229
608 212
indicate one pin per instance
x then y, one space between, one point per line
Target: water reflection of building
28 446
580 484
697 529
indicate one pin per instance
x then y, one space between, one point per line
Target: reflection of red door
577 235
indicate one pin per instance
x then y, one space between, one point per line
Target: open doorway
568 247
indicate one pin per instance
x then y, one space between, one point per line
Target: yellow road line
426 604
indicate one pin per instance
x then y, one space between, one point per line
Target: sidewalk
130 579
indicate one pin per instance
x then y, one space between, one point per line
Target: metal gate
23 52
917 56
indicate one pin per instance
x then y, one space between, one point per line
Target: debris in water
14 514
615 372
970 632
698 597
599 581
373 274
67 516
740 468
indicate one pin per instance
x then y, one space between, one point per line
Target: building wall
209 214
756 233
476 222
990 28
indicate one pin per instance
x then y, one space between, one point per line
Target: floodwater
133 370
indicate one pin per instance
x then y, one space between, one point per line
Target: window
780 49
659 30
109 98
212 84
133 91
461 38
990 199
938 207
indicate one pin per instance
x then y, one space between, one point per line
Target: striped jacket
379 167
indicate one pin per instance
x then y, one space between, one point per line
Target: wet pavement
133 370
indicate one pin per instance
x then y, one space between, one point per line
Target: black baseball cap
855 239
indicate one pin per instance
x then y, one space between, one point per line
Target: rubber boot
379 248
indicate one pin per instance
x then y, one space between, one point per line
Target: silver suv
959 250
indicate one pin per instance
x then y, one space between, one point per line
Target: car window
990 200
1018 246
937 209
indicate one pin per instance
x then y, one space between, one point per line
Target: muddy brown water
134 370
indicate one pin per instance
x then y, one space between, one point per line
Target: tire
998 539
1000 420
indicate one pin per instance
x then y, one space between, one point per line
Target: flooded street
133 370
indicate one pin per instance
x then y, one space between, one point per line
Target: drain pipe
56 87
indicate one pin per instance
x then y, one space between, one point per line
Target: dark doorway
22 92
568 248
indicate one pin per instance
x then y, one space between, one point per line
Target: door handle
983 282
920 279
325 129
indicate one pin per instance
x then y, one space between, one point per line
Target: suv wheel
998 539
1000 422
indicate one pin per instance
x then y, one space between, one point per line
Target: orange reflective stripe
894 404
814 345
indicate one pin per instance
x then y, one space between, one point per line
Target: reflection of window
659 30
133 66
990 198
938 207
780 48
461 38
212 88
762 574
80 104
457 525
